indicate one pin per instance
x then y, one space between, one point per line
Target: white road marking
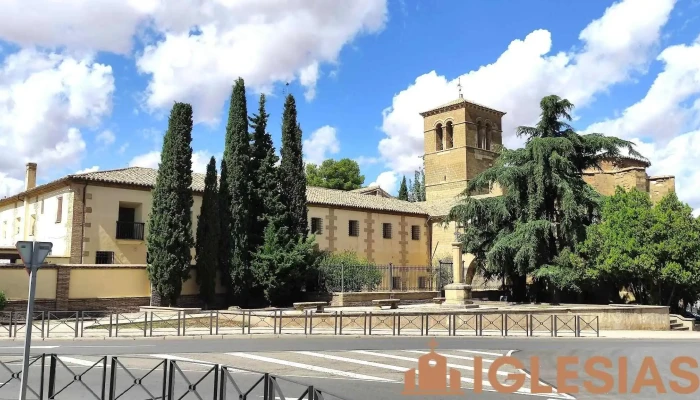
78 361
33 347
310 367
484 360
193 361
481 352
510 353
451 365
100 347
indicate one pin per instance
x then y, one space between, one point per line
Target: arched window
479 134
449 140
438 137
487 136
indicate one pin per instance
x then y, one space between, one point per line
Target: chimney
30 176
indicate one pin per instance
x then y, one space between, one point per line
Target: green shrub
3 300
348 272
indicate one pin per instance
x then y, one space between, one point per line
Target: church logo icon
432 377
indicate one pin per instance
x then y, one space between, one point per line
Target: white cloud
662 113
322 143
94 168
200 159
10 186
77 24
45 98
106 138
612 48
387 180
264 42
364 161
665 123
147 160
123 148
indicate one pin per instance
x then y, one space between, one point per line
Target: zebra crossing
379 366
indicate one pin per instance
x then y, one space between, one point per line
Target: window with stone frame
104 257
449 137
386 231
415 232
59 209
354 228
316 226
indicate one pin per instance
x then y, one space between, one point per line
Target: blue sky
84 88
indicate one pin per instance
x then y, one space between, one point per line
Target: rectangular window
316 226
415 232
104 257
354 228
396 283
59 209
386 231
422 282
42 206
32 227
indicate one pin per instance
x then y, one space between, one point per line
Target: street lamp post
33 255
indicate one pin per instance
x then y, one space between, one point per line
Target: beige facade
100 218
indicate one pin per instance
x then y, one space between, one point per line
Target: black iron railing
384 278
130 230
116 377
99 324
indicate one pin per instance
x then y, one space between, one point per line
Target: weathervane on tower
459 86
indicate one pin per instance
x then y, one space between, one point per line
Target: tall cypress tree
292 177
170 239
207 257
225 251
237 157
264 179
403 190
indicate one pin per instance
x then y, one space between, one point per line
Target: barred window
415 232
396 282
316 225
104 257
386 231
354 228
422 282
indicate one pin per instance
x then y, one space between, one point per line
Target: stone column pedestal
457 294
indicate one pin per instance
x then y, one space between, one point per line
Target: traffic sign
41 250
33 253
26 249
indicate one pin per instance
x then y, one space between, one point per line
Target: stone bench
392 303
320 305
438 300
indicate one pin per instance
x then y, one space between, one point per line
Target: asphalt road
351 367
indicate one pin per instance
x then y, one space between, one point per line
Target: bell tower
461 139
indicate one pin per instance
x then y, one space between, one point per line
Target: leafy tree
652 251
208 232
280 265
343 174
292 177
346 271
237 157
264 176
416 191
403 190
3 300
170 222
546 204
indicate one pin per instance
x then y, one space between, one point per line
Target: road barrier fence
86 324
53 376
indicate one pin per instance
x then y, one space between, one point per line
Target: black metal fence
116 377
384 278
96 324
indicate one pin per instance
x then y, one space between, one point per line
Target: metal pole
28 334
